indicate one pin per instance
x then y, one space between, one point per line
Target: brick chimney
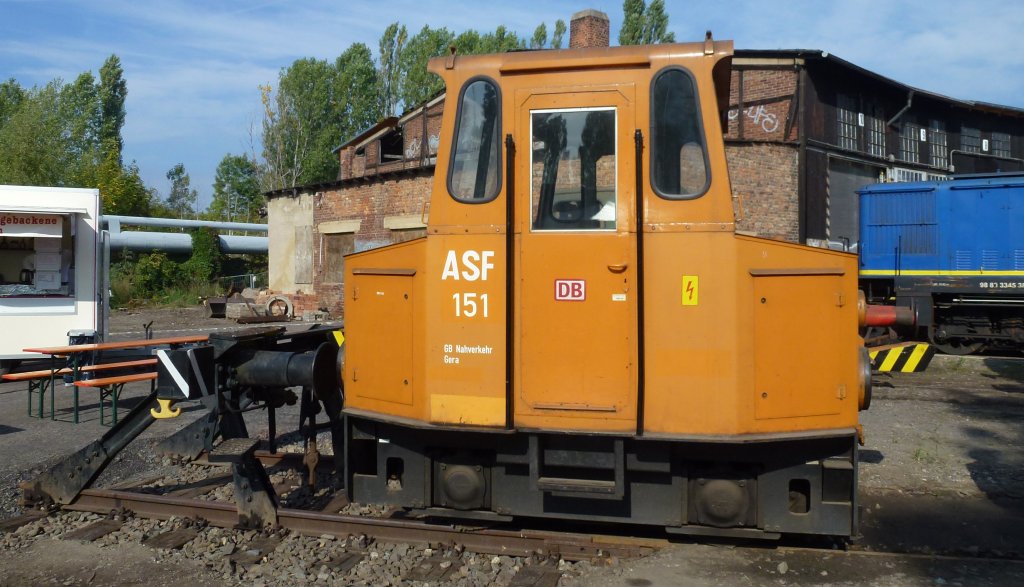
588 28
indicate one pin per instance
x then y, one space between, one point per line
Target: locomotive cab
582 334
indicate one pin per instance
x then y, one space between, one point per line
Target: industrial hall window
474 174
846 116
910 136
572 169
876 131
937 144
1001 144
679 167
970 140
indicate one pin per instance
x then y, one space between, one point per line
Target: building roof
369 134
818 54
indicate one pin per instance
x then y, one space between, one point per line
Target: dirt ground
941 485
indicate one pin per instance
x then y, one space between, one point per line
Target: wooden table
75 354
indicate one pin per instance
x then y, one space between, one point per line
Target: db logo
570 290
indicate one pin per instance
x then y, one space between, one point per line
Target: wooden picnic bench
39 382
76 356
110 388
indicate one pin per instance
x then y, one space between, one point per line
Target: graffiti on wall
412 150
760 115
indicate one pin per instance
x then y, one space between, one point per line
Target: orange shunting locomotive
583 334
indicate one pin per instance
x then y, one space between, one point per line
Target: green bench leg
111 393
39 388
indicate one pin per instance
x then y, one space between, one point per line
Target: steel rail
487 541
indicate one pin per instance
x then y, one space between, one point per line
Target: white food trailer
51 269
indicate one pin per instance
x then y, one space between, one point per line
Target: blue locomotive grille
1018 259
989 260
963 261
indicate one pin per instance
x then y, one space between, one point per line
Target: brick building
805 130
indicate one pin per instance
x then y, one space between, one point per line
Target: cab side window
474 174
679 166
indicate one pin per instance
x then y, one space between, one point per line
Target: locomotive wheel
955 346
958 347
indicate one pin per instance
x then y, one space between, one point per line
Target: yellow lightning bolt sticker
689 290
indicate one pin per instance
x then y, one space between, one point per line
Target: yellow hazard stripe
891 357
908 358
915 358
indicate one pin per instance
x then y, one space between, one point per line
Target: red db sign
570 290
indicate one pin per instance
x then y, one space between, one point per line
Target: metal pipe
889 316
910 100
178 242
180 223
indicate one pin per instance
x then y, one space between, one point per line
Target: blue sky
193 66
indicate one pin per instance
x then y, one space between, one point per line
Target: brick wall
588 28
764 182
370 202
767 99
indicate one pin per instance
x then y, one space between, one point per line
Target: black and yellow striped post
912 357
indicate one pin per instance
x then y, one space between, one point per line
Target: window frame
615 143
455 143
700 130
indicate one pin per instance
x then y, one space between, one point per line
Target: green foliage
390 50
540 37
32 141
205 262
112 92
157 278
236 190
315 105
69 135
11 97
418 85
558 35
644 25
181 199
153 273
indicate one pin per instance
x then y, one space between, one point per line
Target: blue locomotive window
474 174
679 164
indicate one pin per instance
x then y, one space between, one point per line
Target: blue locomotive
952 251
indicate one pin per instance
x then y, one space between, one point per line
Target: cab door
576 292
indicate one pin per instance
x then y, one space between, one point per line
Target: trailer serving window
37 254
679 163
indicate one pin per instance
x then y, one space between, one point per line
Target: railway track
564 545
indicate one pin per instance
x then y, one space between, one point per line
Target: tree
11 97
656 26
643 25
182 199
500 40
391 44
112 93
32 147
317 104
285 140
236 190
540 37
558 35
357 107
416 83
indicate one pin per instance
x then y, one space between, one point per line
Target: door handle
617 267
